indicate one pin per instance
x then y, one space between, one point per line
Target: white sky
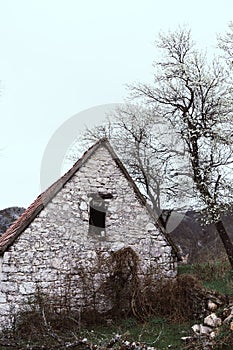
60 57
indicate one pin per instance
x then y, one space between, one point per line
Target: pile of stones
219 317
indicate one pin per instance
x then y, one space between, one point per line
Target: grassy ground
160 333
216 275
157 332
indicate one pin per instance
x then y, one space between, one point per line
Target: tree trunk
163 217
225 240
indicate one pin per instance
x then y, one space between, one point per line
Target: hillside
200 242
8 216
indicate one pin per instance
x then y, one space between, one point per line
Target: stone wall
58 247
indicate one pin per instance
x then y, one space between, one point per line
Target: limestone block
25 268
83 206
117 246
212 321
205 329
186 339
228 319
196 328
2 298
4 309
56 263
167 250
6 257
3 278
37 244
27 288
114 216
213 334
7 287
200 329
43 213
66 207
46 285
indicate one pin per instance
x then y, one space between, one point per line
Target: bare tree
225 42
196 98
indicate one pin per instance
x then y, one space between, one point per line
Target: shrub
178 300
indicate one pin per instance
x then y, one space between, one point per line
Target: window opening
97 213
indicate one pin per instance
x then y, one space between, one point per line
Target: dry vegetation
158 307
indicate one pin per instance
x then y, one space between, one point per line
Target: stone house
57 244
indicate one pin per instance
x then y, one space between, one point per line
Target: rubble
212 306
212 321
205 333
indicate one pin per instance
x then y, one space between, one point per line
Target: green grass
215 275
157 332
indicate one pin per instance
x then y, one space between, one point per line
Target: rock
200 329
228 319
186 339
211 305
196 328
212 321
204 330
228 314
213 334
150 227
205 334
83 206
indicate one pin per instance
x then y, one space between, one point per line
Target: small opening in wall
106 195
97 216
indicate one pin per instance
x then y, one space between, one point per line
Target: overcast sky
61 57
